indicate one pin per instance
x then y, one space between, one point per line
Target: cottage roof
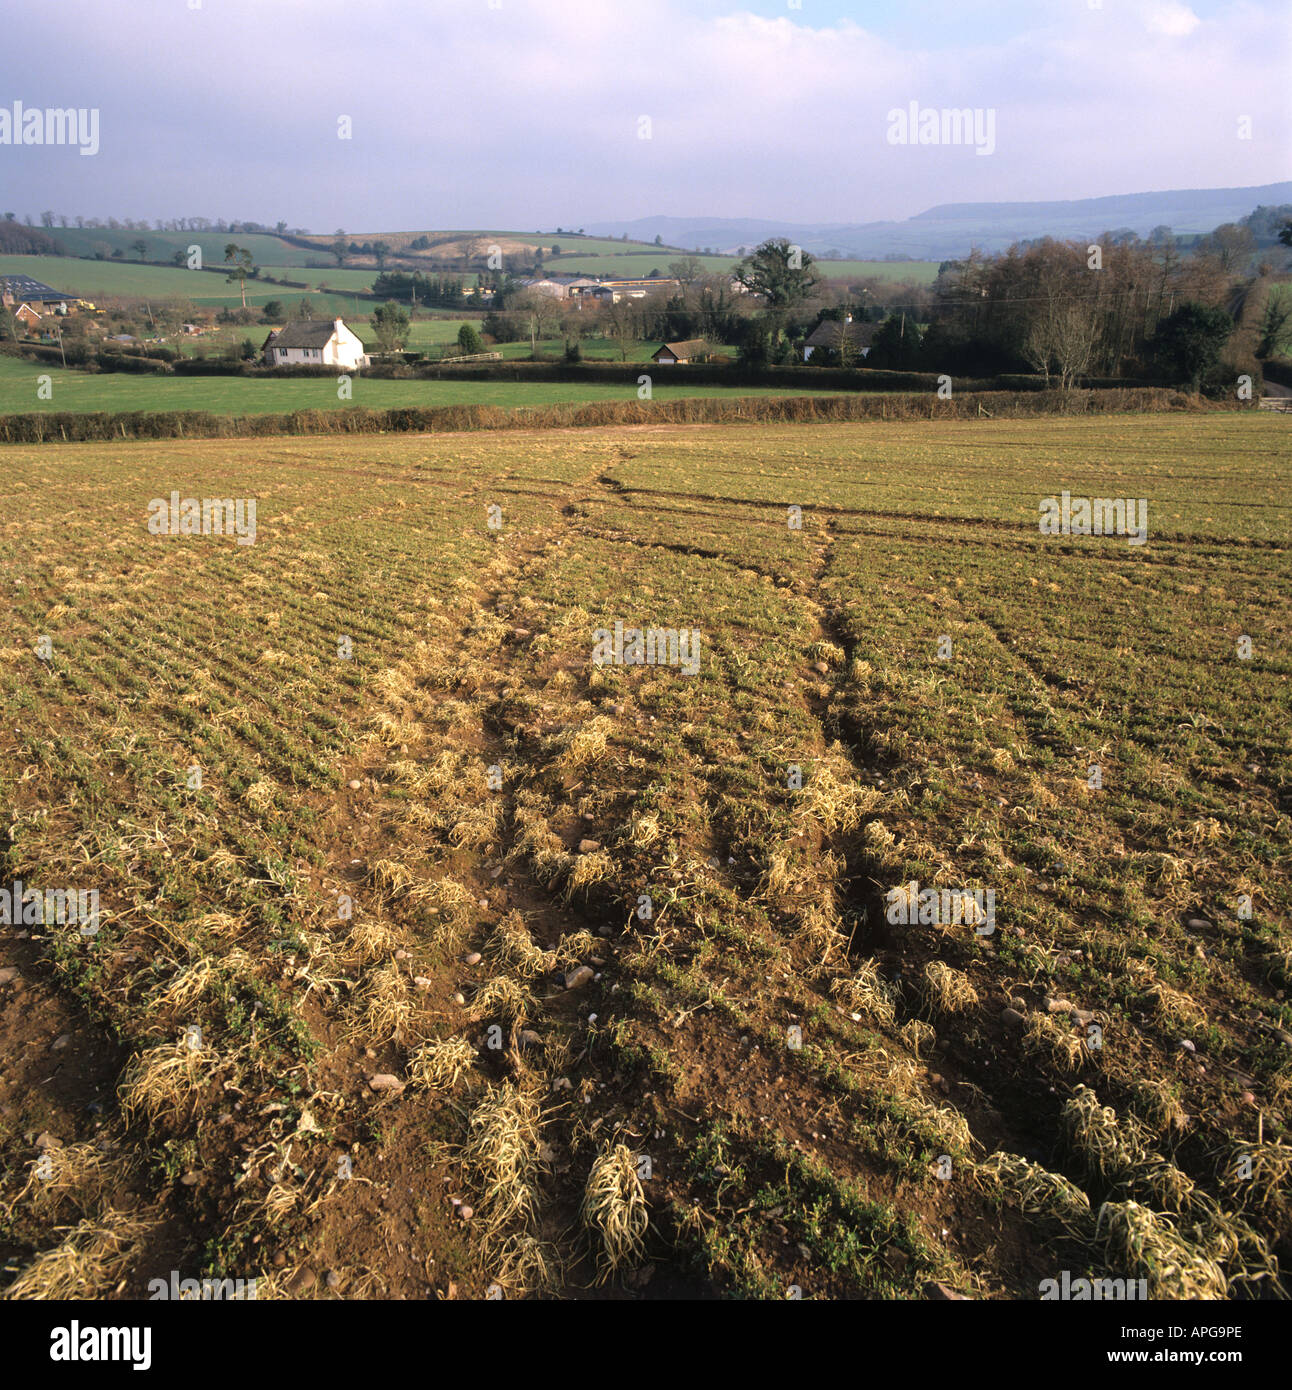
830 332
301 335
691 347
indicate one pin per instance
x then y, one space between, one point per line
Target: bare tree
536 312
623 324
1075 336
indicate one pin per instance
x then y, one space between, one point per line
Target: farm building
25 314
580 285
854 338
327 344
556 288
612 291
670 354
561 286
22 289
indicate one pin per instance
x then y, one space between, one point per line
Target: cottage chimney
847 318
338 325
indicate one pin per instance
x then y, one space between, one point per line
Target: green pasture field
95 280
265 250
114 391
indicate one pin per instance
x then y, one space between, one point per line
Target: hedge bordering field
68 427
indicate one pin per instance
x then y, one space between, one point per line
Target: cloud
529 114
1179 21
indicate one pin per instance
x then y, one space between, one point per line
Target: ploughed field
433 957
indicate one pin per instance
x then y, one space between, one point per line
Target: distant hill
950 229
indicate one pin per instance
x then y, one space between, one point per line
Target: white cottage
311 344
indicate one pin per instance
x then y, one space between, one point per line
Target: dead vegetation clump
1258 1176
643 830
197 980
587 871
449 907
477 826
89 1262
944 990
440 1065
1054 1047
502 1154
584 744
162 1083
77 1171
818 923
1157 1102
536 840
1172 1006
512 948
867 993
1096 1140
881 844
1035 1189
613 1210
1148 1245
384 1009
836 804
575 946
938 1125
391 878
525 1264
917 1035
504 999
785 872
369 939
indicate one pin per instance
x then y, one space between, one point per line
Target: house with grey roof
308 344
850 340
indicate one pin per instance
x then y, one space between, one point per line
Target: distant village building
581 287
670 354
315 345
561 286
854 339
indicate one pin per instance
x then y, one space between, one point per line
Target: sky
374 115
